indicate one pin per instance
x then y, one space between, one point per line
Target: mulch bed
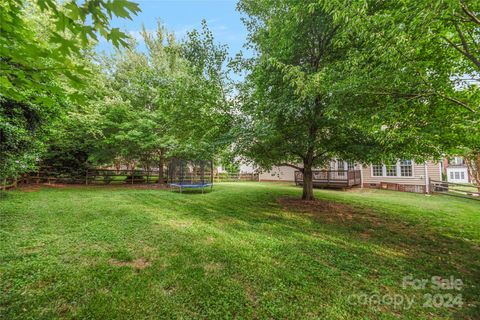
318 207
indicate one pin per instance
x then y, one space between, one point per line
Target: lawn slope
245 250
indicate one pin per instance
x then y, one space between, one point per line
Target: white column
361 176
427 186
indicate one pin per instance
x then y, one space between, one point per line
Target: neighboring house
244 168
456 170
405 175
283 173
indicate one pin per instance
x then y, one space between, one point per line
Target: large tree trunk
161 164
473 165
307 182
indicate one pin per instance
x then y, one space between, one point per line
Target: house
405 175
456 170
244 168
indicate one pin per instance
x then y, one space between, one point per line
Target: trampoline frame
177 174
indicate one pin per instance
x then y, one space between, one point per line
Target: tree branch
465 51
412 96
456 101
319 155
473 17
291 165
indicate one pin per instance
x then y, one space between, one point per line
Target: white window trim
399 173
345 165
371 171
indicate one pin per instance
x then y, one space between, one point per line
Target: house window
341 167
391 170
457 161
403 168
351 166
377 170
457 175
406 168
462 174
451 175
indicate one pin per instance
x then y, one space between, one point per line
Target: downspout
361 176
427 184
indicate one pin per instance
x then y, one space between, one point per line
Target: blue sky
181 16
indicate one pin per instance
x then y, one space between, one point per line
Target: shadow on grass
345 247
234 253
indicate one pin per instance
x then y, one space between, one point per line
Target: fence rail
8 184
235 177
455 189
109 176
96 176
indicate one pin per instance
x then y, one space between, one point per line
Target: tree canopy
290 115
363 81
42 49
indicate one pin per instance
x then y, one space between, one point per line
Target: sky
181 16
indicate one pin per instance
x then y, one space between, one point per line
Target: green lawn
237 252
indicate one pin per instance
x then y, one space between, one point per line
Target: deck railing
332 178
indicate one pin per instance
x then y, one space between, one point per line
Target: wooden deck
331 178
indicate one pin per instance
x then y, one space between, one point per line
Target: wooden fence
8 184
235 177
94 176
107 176
454 189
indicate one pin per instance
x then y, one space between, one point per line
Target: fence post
132 176
86 176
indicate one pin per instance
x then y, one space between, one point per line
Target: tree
42 49
171 100
31 55
74 134
289 115
421 66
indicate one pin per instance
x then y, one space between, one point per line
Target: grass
237 252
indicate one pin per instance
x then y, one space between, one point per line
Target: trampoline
190 174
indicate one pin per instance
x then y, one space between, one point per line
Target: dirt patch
250 294
30 187
210 240
39 186
365 235
227 220
66 308
137 264
213 267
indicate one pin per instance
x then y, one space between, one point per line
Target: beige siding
282 173
285 173
418 178
434 170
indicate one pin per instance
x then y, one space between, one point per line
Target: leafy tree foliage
42 49
171 100
289 112
418 62
32 56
